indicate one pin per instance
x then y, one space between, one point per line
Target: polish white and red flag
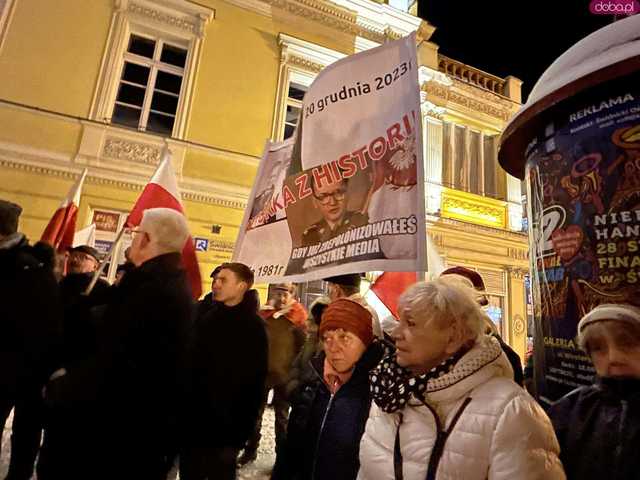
390 285
61 229
162 191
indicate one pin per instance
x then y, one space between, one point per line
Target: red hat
350 316
471 275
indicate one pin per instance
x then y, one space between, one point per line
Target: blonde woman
445 405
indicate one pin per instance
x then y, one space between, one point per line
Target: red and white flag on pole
62 226
390 285
162 191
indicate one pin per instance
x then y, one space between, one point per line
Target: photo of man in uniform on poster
331 201
270 189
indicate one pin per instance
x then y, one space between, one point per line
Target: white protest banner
347 195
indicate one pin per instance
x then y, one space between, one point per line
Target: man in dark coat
228 367
30 325
122 404
330 408
79 329
598 427
207 302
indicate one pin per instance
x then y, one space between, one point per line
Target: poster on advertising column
583 172
346 194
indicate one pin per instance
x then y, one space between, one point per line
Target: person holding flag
116 413
61 229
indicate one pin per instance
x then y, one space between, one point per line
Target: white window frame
7 7
300 62
177 22
155 65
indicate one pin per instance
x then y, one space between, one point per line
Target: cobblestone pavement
258 470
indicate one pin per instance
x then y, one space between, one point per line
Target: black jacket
126 397
30 315
228 367
324 432
79 326
598 428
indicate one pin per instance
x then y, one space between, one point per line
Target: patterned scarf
392 385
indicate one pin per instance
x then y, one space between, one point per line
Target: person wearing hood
331 405
30 329
598 426
445 404
227 367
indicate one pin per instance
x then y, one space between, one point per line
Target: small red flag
62 226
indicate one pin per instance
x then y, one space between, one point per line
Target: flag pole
98 272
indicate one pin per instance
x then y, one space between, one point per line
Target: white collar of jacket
484 361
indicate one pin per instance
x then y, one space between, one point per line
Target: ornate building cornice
138 152
183 16
158 16
486 232
105 179
342 18
469 97
304 63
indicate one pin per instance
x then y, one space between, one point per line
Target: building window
300 62
295 94
147 74
150 85
469 160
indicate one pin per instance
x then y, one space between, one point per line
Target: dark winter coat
598 428
514 360
79 327
30 315
124 401
228 368
323 440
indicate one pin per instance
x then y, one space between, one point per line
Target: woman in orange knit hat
331 406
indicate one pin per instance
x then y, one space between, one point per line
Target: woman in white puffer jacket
445 405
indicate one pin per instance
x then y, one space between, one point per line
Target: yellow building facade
106 84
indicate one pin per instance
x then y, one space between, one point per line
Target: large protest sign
347 194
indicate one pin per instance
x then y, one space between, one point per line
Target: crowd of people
135 380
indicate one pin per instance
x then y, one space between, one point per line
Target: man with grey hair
120 408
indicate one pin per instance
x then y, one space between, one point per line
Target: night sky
516 37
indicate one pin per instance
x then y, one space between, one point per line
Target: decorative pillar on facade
432 144
514 199
516 326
